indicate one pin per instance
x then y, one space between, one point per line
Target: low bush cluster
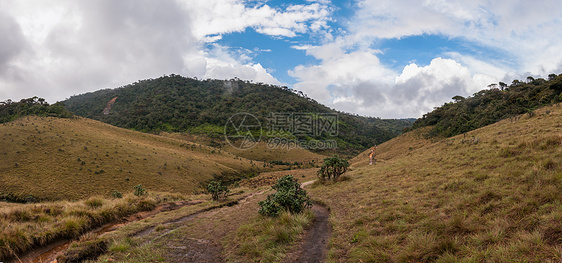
289 197
217 190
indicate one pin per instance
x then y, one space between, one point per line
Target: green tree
217 190
332 168
116 194
458 98
502 85
490 105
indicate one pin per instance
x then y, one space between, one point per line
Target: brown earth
315 241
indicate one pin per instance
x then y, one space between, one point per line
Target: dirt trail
50 252
307 183
315 242
198 250
203 248
204 241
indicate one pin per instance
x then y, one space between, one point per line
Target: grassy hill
72 158
260 152
178 104
489 195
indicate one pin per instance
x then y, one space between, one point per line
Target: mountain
178 104
489 106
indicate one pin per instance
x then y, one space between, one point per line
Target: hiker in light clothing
372 154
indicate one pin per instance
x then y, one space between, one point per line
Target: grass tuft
120 246
268 238
27 225
94 202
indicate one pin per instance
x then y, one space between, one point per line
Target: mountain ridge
179 104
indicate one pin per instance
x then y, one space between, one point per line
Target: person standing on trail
372 154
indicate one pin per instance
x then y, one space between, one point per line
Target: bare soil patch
315 242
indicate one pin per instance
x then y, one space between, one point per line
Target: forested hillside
11 110
179 104
491 105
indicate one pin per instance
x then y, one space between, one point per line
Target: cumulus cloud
13 43
361 85
58 48
350 76
528 32
216 17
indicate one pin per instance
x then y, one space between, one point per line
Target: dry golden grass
203 236
268 239
260 151
263 153
491 195
24 226
52 158
270 178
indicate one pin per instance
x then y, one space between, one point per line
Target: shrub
332 168
217 190
289 197
116 194
139 190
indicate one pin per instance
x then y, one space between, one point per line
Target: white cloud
528 32
358 83
216 17
350 76
338 71
58 48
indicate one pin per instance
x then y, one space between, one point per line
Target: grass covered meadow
493 194
46 158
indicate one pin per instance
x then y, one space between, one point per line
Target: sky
380 58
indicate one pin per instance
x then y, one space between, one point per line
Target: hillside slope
490 195
178 104
259 152
53 158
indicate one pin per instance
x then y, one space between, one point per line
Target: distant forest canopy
500 101
179 104
11 110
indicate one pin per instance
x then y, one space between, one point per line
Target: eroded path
50 252
199 236
315 243
199 239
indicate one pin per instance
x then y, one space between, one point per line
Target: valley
488 194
